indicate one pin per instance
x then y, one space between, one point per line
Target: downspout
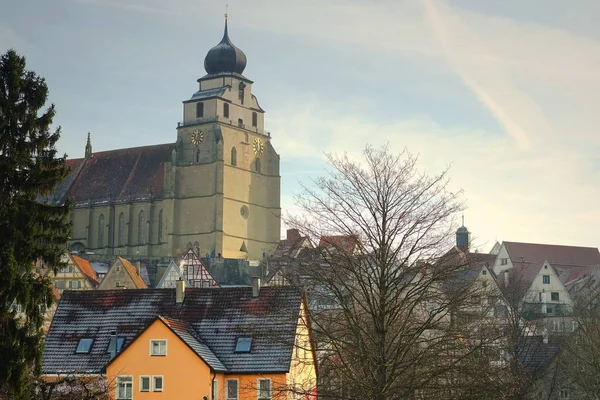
212 386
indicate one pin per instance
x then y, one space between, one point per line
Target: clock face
258 146
197 136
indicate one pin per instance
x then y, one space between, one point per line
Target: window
233 156
240 122
59 284
117 283
75 284
160 224
124 387
199 110
158 347
157 383
257 165
121 229
264 389
197 155
243 345
111 344
42 308
563 394
101 230
84 345
232 389
118 268
226 110
546 279
68 268
215 389
574 326
144 383
254 119
504 261
141 228
241 93
554 296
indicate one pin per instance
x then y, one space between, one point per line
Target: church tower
223 177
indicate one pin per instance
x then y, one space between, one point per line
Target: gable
122 274
195 272
171 275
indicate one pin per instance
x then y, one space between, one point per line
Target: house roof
216 317
536 354
136 172
345 243
86 268
132 271
554 254
520 278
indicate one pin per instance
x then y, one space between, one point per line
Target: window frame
545 279
130 380
199 107
258 389
89 348
118 339
158 340
162 383
225 110
254 119
553 295
149 378
243 341
237 389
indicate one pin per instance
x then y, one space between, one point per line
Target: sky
504 93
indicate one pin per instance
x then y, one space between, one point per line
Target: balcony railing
218 118
541 310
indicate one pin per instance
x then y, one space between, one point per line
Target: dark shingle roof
216 317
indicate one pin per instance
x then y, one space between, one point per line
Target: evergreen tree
30 228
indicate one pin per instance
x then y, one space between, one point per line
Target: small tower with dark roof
88 147
463 237
225 57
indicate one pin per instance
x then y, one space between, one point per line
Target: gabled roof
537 355
86 269
195 272
171 274
345 243
132 271
186 335
136 172
554 254
216 317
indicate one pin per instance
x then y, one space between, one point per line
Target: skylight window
111 344
243 345
84 345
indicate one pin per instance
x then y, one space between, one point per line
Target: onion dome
225 57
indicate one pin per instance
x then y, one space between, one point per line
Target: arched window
160 226
233 156
188 246
199 110
254 119
101 231
197 155
257 165
226 110
122 229
142 228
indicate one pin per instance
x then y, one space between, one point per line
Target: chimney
179 291
255 287
293 234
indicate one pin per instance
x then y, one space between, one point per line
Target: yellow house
230 343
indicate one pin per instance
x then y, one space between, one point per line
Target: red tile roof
554 254
86 268
132 271
116 174
346 243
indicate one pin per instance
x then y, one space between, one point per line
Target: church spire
88 146
225 57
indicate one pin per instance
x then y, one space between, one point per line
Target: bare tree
389 334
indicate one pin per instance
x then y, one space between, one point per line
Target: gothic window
199 110
257 165
101 231
188 246
254 119
141 228
226 110
233 156
197 155
160 226
122 229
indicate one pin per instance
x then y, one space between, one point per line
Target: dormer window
200 110
114 341
84 345
226 110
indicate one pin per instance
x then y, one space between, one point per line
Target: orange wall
185 375
248 385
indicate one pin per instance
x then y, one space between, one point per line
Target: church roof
225 57
555 254
136 172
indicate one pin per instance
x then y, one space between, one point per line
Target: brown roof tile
86 268
554 254
118 174
131 270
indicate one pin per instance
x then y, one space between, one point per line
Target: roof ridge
150 146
